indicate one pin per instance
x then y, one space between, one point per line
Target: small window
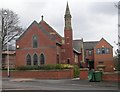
103 50
35 59
98 51
35 41
101 62
89 52
28 59
107 50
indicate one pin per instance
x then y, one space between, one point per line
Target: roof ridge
78 40
106 41
90 41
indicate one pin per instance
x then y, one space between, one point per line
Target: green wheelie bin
98 76
91 75
95 76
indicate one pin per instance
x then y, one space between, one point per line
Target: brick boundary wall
111 76
83 74
41 74
106 76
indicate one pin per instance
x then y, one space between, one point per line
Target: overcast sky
91 19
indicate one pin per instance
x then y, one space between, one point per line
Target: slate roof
90 45
40 27
50 30
77 45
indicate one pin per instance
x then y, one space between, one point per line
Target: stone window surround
33 41
38 63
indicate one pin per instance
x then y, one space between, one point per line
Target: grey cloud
91 20
103 8
35 4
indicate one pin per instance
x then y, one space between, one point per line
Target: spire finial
67 10
42 17
67 4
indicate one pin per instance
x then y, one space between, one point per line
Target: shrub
48 67
58 66
7 69
45 67
76 71
25 68
66 66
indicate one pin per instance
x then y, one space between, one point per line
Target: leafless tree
9 26
118 43
117 5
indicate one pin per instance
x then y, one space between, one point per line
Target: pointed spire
67 9
67 13
67 18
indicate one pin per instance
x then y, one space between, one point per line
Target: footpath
69 81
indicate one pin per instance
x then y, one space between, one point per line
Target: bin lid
97 71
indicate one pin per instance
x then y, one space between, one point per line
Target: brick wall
111 77
106 76
83 74
42 74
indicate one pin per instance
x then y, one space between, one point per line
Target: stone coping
84 69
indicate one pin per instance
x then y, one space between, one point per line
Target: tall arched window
28 59
35 59
42 59
35 41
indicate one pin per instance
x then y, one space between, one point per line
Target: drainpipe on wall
82 51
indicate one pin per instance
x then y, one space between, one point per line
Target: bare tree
118 43
9 26
118 7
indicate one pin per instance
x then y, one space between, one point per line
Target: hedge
45 67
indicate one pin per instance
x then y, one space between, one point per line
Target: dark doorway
68 61
42 59
91 64
58 61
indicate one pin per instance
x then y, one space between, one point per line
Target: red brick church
40 44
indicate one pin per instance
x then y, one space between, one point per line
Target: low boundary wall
106 76
111 76
41 74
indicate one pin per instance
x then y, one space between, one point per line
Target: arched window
35 41
42 59
28 59
35 59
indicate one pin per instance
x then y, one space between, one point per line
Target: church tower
68 37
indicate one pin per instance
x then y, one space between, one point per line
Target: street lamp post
8 63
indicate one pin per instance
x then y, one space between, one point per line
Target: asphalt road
64 84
